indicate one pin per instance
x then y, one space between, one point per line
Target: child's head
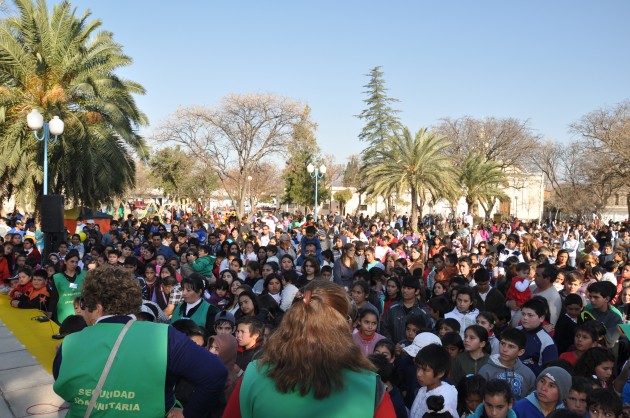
498 398
573 305
435 408
24 276
522 270
600 294
224 323
439 288
368 322
470 393
72 324
465 300
326 273
603 403
475 338
512 345
248 330
598 362
413 325
438 307
486 319
387 349
360 292
448 325
533 313
576 399
384 368
453 343
433 363
586 336
573 282
450 260
193 331
222 288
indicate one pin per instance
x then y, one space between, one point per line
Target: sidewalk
25 387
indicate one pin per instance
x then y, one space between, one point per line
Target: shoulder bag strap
106 369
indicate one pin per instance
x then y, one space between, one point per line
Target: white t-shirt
448 392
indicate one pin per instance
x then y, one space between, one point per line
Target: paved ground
25 387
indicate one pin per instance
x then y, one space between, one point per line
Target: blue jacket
539 350
530 408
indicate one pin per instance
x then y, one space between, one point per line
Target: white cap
422 340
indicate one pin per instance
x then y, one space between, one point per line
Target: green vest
260 398
135 384
65 305
199 317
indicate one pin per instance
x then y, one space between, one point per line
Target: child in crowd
367 337
386 371
600 295
603 403
447 325
519 291
597 363
224 323
413 325
486 320
37 297
540 347
464 311
453 343
475 354
470 393
387 349
435 408
576 399
585 337
249 331
24 285
440 289
507 366
220 296
433 364
567 322
450 269
572 284
497 401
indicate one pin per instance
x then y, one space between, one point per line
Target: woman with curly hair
133 380
311 366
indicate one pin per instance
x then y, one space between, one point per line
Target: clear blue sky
547 61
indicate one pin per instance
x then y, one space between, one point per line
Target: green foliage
417 164
299 185
62 66
343 197
180 176
380 118
481 181
352 174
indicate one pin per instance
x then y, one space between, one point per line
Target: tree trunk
413 220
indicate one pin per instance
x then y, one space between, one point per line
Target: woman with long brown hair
345 266
311 367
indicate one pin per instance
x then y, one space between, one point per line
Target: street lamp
35 122
316 173
249 183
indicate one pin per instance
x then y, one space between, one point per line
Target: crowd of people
457 319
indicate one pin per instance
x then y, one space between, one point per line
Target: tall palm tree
481 181
60 65
417 164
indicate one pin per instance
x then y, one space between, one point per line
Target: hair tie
307 296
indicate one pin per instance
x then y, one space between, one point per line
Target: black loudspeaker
52 213
51 242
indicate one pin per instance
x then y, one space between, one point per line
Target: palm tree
60 65
480 180
417 164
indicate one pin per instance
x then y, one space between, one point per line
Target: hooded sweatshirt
520 377
466 319
228 347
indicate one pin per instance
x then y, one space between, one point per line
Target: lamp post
35 122
316 173
249 183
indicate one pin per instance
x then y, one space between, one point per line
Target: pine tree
380 117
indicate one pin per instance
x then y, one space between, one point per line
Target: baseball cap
225 316
422 340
